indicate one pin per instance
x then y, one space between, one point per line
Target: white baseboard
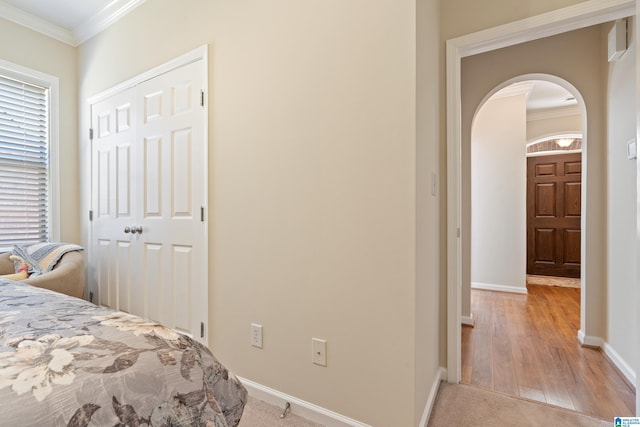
299 407
628 372
624 368
590 341
432 397
499 288
468 320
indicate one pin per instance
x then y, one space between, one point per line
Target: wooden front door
553 215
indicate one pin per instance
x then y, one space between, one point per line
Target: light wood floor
527 346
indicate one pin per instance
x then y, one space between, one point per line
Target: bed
67 362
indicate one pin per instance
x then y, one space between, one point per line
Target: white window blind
24 163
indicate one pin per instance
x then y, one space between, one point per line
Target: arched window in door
555 144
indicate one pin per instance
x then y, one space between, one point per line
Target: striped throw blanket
42 257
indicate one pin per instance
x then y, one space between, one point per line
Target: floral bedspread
67 362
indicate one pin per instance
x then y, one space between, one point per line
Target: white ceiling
543 97
70 21
67 14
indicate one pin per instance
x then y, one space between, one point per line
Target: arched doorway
517 230
512 126
507 168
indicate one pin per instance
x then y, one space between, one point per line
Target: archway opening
526 142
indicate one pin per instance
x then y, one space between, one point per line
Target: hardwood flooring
527 346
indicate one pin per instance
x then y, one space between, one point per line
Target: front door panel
553 215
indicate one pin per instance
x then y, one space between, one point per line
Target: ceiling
70 21
543 98
67 14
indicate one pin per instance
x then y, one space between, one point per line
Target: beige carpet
260 414
465 405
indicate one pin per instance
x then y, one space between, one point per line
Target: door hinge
91 215
201 213
91 134
201 329
202 98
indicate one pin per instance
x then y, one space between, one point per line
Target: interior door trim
200 53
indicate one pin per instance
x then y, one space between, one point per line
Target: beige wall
498 196
37 52
428 275
314 171
622 291
541 128
578 58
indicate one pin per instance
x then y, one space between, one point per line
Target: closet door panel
172 125
112 263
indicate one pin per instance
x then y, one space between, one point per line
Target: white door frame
585 14
197 54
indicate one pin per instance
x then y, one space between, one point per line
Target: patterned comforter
67 362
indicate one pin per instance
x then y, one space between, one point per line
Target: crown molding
94 25
104 19
35 23
515 89
553 113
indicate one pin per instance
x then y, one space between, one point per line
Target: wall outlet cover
319 349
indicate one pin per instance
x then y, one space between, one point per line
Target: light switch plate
256 335
632 150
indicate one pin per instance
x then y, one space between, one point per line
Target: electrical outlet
319 349
256 335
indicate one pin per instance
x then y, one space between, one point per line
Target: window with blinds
24 163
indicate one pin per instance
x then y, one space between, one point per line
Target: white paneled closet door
171 188
149 189
114 195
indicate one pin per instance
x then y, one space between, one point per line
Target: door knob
137 229
127 230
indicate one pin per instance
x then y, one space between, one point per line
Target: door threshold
566 282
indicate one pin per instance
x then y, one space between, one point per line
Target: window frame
52 84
